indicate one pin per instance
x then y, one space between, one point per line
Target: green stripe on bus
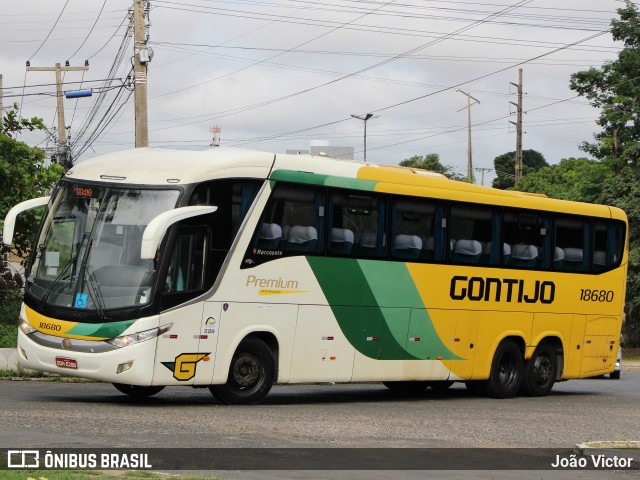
101 330
378 308
324 180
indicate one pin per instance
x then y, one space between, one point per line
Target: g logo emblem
184 367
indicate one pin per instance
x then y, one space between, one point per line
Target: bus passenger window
474 232
570 244
362 215
417 224
293 222
608 241
526 239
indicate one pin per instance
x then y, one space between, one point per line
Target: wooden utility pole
141 57
63 149
518 124
469 159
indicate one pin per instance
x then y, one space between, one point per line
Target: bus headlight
25 326
138 337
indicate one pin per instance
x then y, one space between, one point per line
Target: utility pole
469 159
141 57
366 117
482 170
518 124
63 148
1 107
215 136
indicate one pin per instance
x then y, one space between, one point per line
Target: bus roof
156 166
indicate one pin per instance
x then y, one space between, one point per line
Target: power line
90 31
50 31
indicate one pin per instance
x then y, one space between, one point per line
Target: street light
364 118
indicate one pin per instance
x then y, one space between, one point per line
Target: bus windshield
88 253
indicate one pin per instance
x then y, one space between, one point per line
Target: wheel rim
507 370
542 369
246 370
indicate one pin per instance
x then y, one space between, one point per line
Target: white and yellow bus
236 270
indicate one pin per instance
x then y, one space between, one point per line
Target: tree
578 179
505 166
431 162
23 175
615 90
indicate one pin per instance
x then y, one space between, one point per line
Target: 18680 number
587 295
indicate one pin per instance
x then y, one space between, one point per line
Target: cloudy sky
275 75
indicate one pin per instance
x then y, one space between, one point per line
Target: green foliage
623 191
13 124
578 179
615 90
10 301
23 176
431 162
505 165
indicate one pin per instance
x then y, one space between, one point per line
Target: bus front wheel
506 371
135 391
540 372
251 374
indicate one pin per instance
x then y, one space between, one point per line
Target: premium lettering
480 289
253 281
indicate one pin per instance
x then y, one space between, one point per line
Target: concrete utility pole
469 159
141 57
482 170
366 117
63 148
518 124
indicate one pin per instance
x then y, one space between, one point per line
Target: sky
277 75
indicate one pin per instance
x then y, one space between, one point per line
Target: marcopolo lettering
480 289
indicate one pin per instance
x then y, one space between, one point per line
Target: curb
8 359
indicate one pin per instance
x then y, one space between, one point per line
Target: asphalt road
56 414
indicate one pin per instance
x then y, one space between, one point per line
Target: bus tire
540 372
407 386
615 375
506 371
135 391
251 374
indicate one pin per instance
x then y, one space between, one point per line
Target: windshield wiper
57 280
95 292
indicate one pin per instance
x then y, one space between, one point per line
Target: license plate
63 362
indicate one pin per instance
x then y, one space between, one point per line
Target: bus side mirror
10 219
158 226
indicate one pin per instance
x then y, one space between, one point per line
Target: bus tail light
138 337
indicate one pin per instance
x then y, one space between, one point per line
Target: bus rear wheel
251 374
135 391
540 372
506 371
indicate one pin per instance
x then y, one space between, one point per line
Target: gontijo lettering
479 289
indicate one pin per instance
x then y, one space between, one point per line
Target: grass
631 354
